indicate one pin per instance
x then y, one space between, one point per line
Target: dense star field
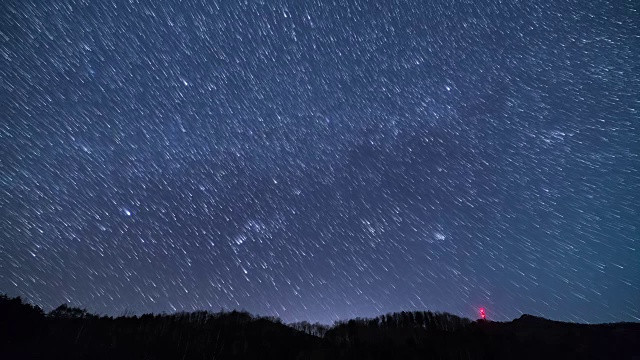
321 160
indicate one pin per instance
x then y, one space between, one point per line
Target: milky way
321 160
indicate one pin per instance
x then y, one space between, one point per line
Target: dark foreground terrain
26 332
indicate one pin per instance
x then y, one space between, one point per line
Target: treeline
27 332
72 333
426 320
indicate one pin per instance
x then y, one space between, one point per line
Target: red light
482 314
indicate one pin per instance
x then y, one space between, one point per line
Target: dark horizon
72 333
126 314
131 313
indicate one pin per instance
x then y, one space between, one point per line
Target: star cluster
320 160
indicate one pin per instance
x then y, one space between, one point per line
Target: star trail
322 160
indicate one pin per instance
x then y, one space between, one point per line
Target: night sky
322 160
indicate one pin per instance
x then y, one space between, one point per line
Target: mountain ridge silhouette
27 332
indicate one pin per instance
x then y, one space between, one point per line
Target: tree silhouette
73 333
66 312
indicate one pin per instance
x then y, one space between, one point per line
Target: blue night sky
321 160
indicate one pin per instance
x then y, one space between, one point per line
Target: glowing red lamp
483 315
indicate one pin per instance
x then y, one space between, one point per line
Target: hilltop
26 332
